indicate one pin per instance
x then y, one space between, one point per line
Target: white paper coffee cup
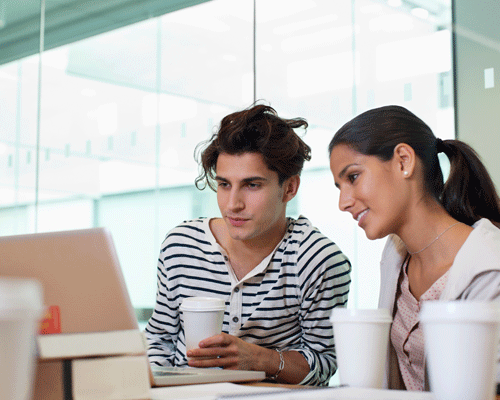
203 317
361 340
461 344
20 313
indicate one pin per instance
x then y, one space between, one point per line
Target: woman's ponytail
469 193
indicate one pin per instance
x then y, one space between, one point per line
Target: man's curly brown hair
257 129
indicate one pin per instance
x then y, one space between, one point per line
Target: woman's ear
405 159
291 186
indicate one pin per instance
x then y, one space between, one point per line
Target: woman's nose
346 200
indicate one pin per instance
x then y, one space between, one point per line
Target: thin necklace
437 237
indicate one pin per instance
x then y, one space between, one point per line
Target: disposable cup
20 313
361 340
461 344
203 317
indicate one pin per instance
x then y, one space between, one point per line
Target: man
280 277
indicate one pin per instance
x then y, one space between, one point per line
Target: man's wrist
281 365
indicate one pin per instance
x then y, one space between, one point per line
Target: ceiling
70 20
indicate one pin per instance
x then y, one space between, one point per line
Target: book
101 378
49 381
116 378
78 345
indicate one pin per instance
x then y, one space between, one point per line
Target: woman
443 242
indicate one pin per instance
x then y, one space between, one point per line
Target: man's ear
291 186
405 159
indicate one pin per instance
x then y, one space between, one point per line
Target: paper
231 391
335 393
209 391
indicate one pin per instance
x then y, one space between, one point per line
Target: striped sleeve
324 276
188 265
163 327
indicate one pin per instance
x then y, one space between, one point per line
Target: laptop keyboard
173 371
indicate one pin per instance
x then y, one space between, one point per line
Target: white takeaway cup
361 343
20 312
203 317
461 344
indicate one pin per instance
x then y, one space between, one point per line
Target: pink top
406 334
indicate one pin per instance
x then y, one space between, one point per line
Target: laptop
83 280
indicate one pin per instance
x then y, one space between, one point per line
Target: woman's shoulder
486 231
486 224
478 256
482 247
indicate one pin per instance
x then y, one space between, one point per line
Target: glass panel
68 21
333 60
310 50
19 29
305 62
98 148
19 82
405 59
206 74
122 113
477 84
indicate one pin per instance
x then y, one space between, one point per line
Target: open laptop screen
80 274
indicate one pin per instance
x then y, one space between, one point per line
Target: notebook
83 283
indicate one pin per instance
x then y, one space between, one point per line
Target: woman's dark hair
468 194
257 129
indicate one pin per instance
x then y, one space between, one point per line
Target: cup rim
360 315
459 310
15 313
20 295
202 304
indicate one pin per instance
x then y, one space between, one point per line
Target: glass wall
103 131
328 61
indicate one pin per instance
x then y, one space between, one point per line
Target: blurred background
103 103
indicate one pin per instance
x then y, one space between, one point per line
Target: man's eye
253 185
222 184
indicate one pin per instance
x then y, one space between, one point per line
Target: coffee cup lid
460 310
18 296
202 304
378 315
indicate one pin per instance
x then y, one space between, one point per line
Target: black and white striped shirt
285 302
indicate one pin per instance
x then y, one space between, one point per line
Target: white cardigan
474 275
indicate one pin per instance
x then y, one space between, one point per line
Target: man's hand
229 352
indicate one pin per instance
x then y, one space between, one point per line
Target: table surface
284 385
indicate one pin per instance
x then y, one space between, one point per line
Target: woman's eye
352 177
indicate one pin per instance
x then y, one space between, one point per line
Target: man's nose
235 200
